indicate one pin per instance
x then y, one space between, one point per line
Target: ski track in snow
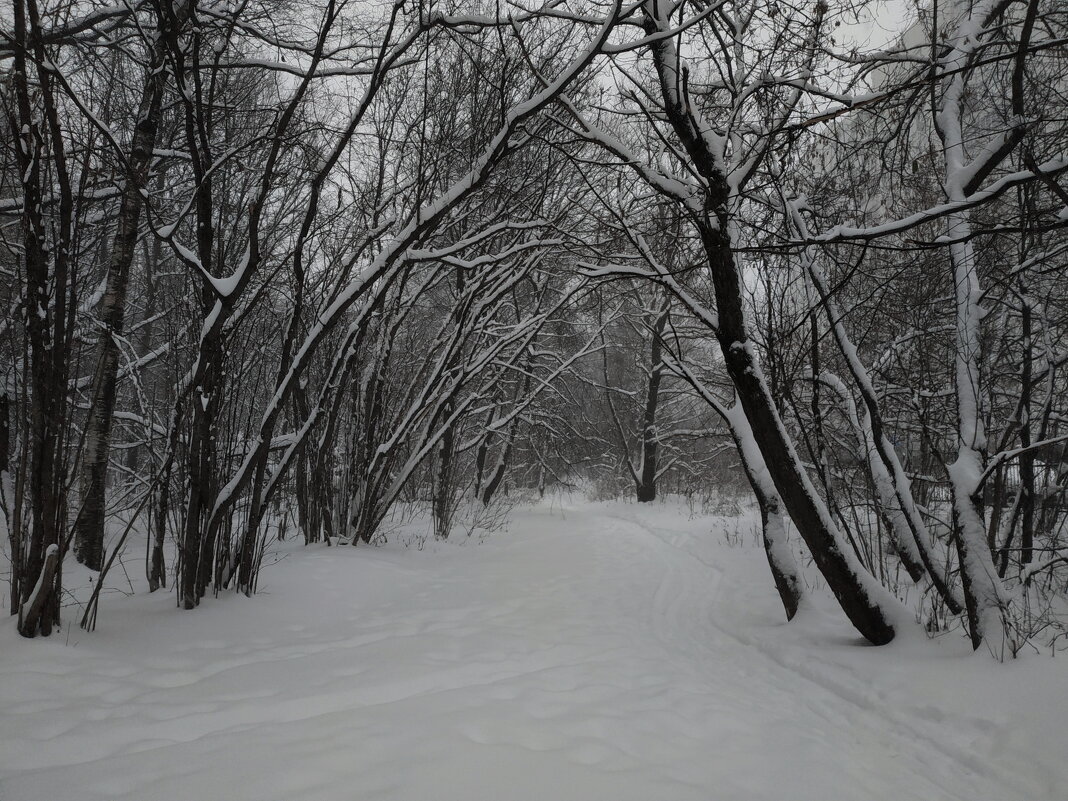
604 651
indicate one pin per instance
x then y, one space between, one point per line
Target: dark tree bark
843 575
646 484
500 469
772 517
5 479
47 306
444 494
1027 458
89 533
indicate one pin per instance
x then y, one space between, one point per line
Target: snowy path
609 652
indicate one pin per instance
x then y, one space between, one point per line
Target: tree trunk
857 592
443 478
7 498
772 515
45 306
35 611
1027 458
89 536
646 489
982 591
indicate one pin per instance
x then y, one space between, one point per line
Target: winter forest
534 398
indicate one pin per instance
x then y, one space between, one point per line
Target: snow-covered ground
590 651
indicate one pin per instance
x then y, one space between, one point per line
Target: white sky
878 24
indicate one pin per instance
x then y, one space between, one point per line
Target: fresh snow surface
588 651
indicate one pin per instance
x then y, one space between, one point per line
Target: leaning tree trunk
907 528
773 516
856 590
